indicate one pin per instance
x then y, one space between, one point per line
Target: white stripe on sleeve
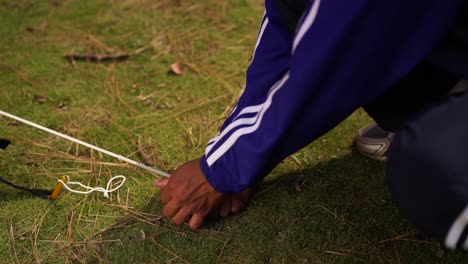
308 21
246 130
456 230
251 109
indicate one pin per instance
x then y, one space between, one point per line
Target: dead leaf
145 158
177 68
38 27
146 97
14 123
148 102
40 99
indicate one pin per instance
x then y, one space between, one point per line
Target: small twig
82 242
35 232
69 223
397 256
335 214
419 241
169 251
399 237
145 158
221 252
12 237
336 253
97 57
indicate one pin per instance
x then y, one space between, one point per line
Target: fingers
225 207
240 200
237 205
182 215
161 183
165 195
245 195
171 208
197 220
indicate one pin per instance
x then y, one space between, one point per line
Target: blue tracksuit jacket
300 84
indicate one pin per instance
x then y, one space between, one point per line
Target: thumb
161 183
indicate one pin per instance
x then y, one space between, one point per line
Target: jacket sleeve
343 55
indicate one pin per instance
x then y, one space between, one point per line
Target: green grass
343 212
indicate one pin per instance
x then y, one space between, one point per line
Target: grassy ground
325 204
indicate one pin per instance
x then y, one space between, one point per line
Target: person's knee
423 183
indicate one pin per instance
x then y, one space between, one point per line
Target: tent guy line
117 156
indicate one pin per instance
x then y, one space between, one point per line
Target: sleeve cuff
216 181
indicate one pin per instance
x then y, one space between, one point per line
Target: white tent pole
117 156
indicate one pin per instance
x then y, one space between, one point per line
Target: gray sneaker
373 142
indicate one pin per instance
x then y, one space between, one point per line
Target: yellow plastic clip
55 193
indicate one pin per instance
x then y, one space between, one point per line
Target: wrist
218 182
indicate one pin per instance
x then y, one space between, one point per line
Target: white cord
105 191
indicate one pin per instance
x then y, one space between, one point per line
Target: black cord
44 194
4 143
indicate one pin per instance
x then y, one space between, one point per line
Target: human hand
188 195
236 202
